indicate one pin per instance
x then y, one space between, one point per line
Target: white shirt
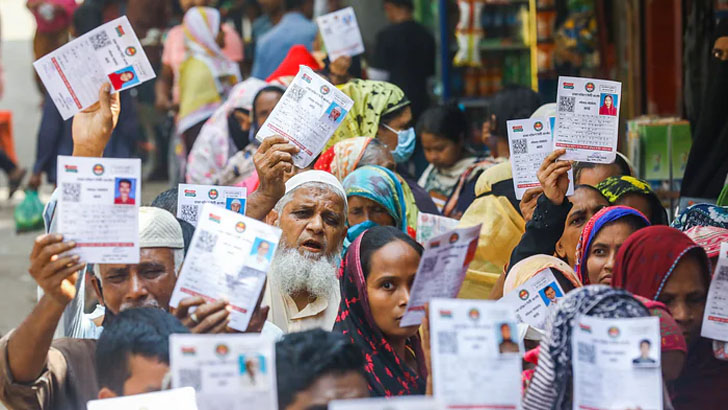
321 313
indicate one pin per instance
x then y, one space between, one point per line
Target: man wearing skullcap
303 291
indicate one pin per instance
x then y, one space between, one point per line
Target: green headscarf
372 99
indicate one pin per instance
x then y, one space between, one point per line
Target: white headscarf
201 26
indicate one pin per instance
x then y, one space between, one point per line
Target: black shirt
407 52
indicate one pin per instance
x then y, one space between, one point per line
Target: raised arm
547 224
56 275
273 160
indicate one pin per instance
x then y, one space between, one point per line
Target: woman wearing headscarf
663 264
635 193
376 278
601 239
372 101
552 383
346 155
377 197
702 215
349 154
222 154
206 75
706 170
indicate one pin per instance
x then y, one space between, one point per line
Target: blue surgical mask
405 144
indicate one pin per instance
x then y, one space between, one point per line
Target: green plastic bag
29 214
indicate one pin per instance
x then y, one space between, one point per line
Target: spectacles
720 53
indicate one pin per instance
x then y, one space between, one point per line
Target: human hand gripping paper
109 54
307 115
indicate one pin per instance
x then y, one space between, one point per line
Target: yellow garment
198 90
502 229
524 270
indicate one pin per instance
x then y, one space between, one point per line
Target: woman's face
264 105
400 123
364 209
685 293
440 152
392 271
586 202
603 251
637 201
608 101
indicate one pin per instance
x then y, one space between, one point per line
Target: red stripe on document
291 139
193 293
718 319
65 81
580 146
105 245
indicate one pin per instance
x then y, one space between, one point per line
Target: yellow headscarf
372 99
524 270
502 228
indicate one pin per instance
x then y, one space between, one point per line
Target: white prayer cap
159 229
324 177
545 111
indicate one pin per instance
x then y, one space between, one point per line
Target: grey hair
288 197
373 153
179 257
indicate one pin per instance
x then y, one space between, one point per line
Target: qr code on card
71 192
190 378
206 241
99 40
586 353
448 342
296 92
520 146
189 213
566 104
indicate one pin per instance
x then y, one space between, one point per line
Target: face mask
405 144
354 231
240 137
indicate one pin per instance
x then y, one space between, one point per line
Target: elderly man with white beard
303 291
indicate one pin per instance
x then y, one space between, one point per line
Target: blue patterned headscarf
551 386
702 215
381 186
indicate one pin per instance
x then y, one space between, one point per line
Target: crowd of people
340 280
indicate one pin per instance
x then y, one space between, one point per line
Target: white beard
294 272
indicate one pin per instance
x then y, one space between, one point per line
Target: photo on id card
505 333
335 113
